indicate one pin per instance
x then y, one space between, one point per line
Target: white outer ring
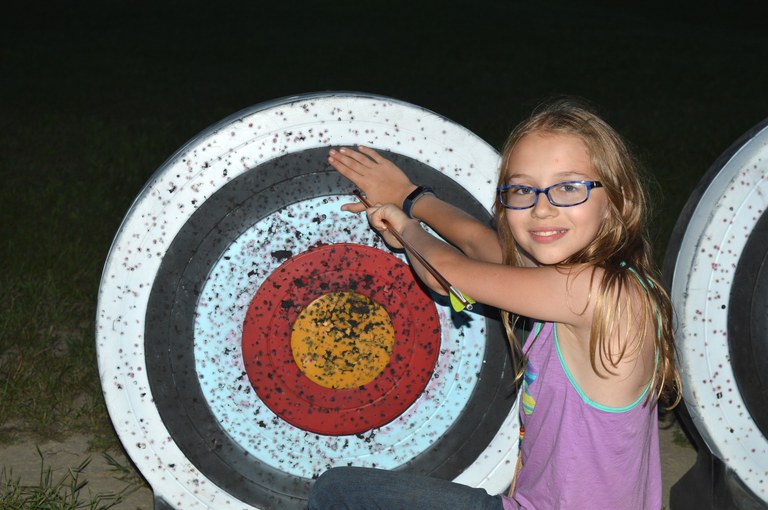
706 263
205 164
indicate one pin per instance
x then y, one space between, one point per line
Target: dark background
90 86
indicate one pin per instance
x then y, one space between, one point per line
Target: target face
350 366
719 289
229 298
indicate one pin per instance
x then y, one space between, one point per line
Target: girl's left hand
381 180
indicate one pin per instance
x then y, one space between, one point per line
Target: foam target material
716 263
205 234
342 388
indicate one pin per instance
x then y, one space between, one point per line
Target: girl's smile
547 233
547 236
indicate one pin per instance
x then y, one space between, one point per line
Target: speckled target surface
719 255
352 390
199 248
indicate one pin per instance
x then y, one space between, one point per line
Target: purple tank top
577 453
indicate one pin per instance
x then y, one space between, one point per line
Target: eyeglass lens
561 194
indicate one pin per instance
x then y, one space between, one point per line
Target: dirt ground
677 456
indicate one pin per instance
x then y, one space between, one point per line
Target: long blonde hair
620 248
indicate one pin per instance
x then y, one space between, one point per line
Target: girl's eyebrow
568 175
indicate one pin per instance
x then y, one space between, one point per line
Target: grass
667 420
68 492
94 97
61 207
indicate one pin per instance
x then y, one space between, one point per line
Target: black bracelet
413 196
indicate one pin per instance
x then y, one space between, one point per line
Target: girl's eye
569 188
521 190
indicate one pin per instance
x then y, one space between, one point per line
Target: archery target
234 240
719 289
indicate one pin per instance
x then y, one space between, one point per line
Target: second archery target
232 268
717 262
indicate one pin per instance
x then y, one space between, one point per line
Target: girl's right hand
386 218
378 178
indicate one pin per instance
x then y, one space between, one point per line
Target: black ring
170 327
748 324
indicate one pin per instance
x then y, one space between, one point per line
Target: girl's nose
543 207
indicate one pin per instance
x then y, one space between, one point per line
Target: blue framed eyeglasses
562 194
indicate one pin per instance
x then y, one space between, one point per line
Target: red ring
278 380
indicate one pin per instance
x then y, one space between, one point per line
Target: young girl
570 253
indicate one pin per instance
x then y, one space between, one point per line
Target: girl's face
550 234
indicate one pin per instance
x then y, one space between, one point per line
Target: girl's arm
384 183
564 295
472 237
545 293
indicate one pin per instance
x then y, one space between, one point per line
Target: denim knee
331 489
357 488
